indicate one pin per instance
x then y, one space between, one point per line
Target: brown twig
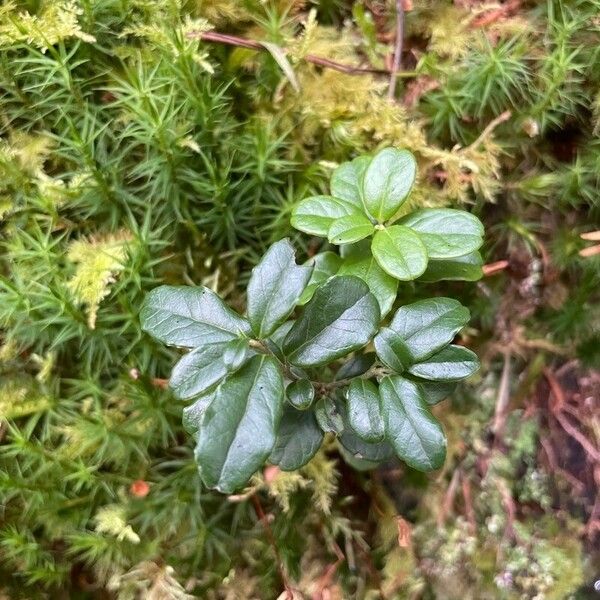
488 129
495 267
503 396
468 497
265 522
321 61
397 48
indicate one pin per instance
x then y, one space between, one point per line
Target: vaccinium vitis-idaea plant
268 386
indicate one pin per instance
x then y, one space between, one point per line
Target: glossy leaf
359 448
315 215
436 391
352 228
428 325
300 393
235 354
387 182
189 317
299 437
274 288
356 366
198 371
346 181
238 428
364 412
192 414
342 316
415 435
383 286
445 232
400 252
392 350
328 416
324 266
462 268
450 364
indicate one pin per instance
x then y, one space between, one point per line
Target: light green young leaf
278 53
238 428
298 439
315 215
461 268
341 317
275 287
450 364
383 286
387 182
400 252
446 233
189 317
352 228
364 411
324 266
346 181
428 325
416 436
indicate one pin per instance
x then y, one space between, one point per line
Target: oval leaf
446 233
383 286
364 412
346 181
298 439
300 394
192 415
387 182
392 350
341 317
462 268
238 428
324 266
436 391
428 325
316 214
275 287
352 228
328 417
189 317
415 435
450 364
400 252
198 371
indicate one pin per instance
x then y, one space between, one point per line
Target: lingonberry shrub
318 351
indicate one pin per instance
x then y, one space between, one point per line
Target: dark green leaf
360 449
446 233
352 228
300 394
436 391
462 268
192 415
275 342
316 214
392 350
239 426
450 364
328 416
400 252
275 287
324 266
341 317
346 181
356 366
364 412
416 436
189 317
387 182
298 439
383 286
198 371
235 354
428 325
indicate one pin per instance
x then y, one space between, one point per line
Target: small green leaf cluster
260 385
366 197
